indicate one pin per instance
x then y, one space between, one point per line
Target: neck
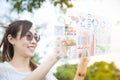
21 64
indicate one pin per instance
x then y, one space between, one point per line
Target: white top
8 72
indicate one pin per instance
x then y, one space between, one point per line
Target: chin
31 54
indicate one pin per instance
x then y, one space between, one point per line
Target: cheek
25 51
22 45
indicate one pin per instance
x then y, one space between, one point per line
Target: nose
33 41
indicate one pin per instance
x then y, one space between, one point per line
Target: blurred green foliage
102 71
98 71
66 72
30 5
36 59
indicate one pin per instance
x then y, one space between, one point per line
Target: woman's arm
81 70
40 72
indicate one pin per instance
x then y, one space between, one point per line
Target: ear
11 39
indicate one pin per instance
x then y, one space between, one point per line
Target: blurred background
45 14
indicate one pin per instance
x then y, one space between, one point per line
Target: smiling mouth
32 48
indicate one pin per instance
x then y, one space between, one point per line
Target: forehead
32 30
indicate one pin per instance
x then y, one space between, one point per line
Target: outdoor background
45 16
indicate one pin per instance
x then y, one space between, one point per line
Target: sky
107 9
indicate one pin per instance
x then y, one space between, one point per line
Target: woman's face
26 45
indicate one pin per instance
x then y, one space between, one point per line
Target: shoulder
3 71
5 66
2 65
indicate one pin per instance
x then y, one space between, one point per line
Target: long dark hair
13 29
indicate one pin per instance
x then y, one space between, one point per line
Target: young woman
18 45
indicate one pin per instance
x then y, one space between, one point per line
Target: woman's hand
60 50
82 68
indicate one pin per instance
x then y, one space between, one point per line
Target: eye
29 36
37 37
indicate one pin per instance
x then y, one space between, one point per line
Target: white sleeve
3 72
50 76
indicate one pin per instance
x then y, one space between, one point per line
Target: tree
98 71
66 72
29 5
102 71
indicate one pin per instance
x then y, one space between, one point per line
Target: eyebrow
33 33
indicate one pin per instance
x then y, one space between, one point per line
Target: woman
19 43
